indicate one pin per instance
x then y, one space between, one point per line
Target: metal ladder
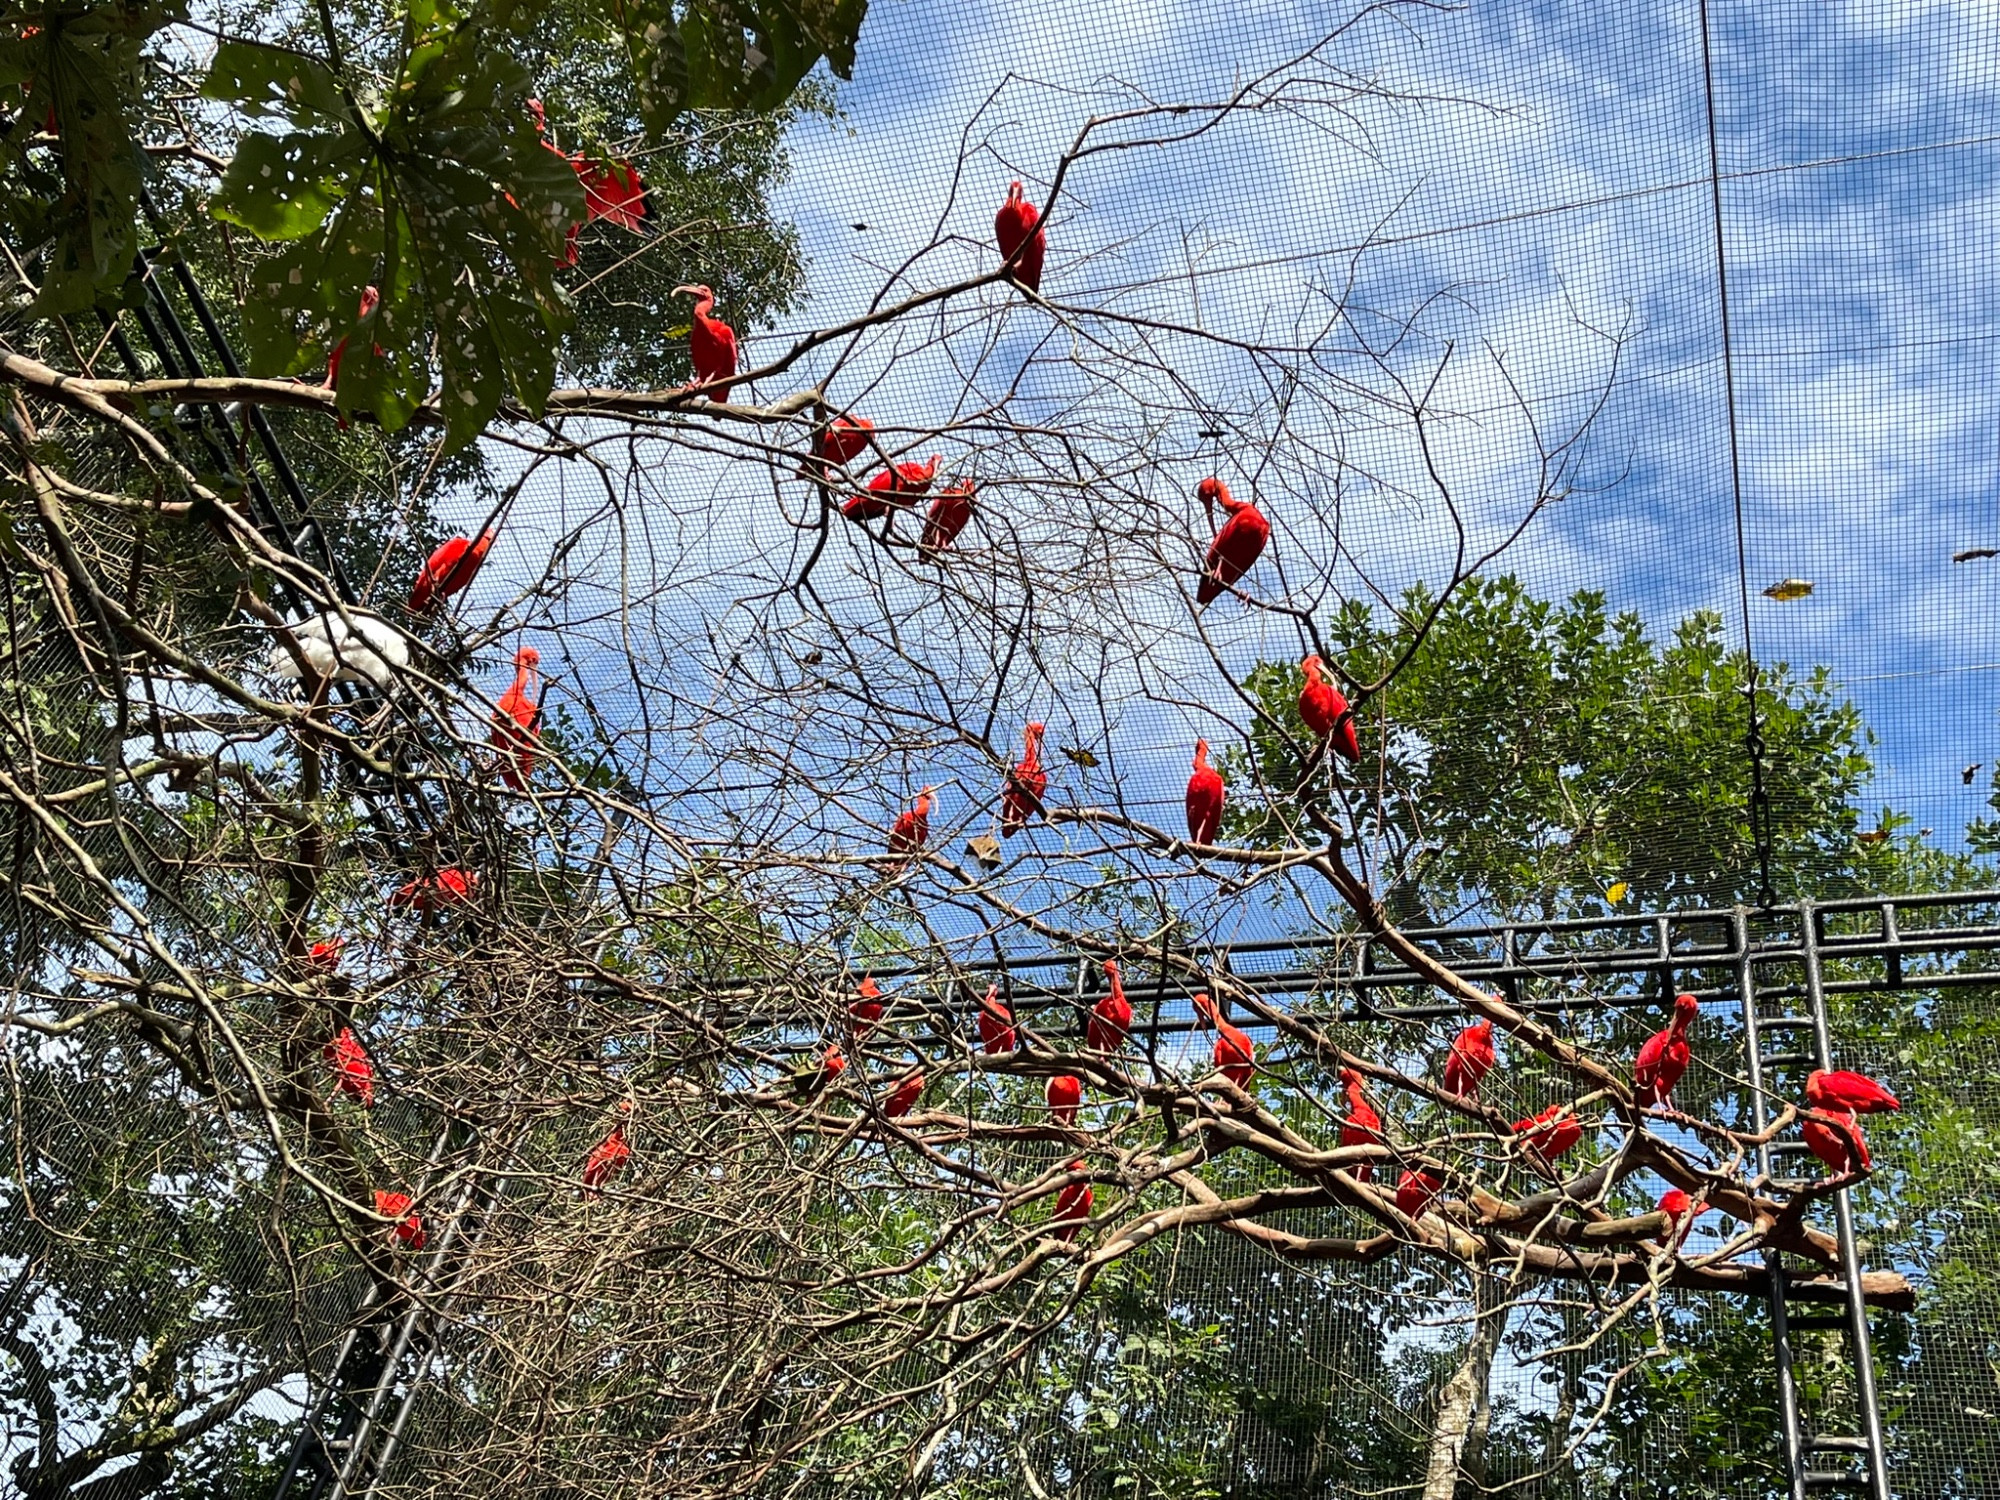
1816 1463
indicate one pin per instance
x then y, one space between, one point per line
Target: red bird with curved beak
1472 1058
844 439
1026 784
1840 1089
865 1013
1681 1212
324 957
351 1070
1664 1057
711 342
1362 1127
514 720
895 486
913 826
1236 547
1072 1207
1416 1191
371 298
1111 1018
948 514
1064 1092
1830 1131
1205 796
996 1024
1324 708
1551 1133
1018 227
409 1227
448 570
608 1157
1235 1058
905 1097
426 894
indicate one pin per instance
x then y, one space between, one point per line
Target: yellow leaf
985 849
681 332
1617 892
1081 757
1788 589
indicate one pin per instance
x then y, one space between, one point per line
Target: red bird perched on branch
996 1024
1026 783
1362 1127
1235 1058
1324 708
514 720
1840 1089
843 440
1236 547
429 893
448 570
1416 1191
913 826
371 298
1072 1207
711 342
1472 1058
948 515
1018 224
324 958
1205 796
351 1070
1551 1133
1111 1018
1681 1213
1665 1056
1064 1093
1829 1129
905 1097
831 1065
896 485
409 1227
863 1014
612 192
607 1158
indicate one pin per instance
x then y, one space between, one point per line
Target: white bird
370 651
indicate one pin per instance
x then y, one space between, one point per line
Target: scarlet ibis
1072 1207
1472 1058
913 826
425 894
845 439
1026 783
613 192
1235 1058
1664 1057
607 1158
371 298
1236 546
409 1227
514 720
1111 1018
904 1099
948 514
996 1025
831 1065
1064 1093
1416 1191
1681 1213
324 957
369 650
897 485
1855 1092
864 1013
1018 226
1362 1127
448 570
711 342
1551 1133
1835 1139
351 1070
1324 708
1205 796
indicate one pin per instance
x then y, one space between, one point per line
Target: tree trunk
1465 1404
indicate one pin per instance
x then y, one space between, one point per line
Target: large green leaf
263 80
282 187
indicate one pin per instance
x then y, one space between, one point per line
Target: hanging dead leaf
813 658
985 849
1787 589
1975 552
1969 772
1080 757
1879 836
1617 892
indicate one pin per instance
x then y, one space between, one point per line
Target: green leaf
659 59
263 80
282 187
751 54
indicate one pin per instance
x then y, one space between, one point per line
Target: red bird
897 485
844 439
1064 1093
1848 1091
448 570
409 1227
514 720
426 894
613 192
1236 547
351 1070
324 958
1836 1140
905 1098
1416 1191
1072 1207
996 1024
831 1065
1111 1018
371 299
711 343
913 826
1362 1127
1026 783
948 515
1551 1133
1018 225
607 1158
1235 1058
1205 796
1472 1058
863 1014
1324 708
1664 1057
1681 1212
